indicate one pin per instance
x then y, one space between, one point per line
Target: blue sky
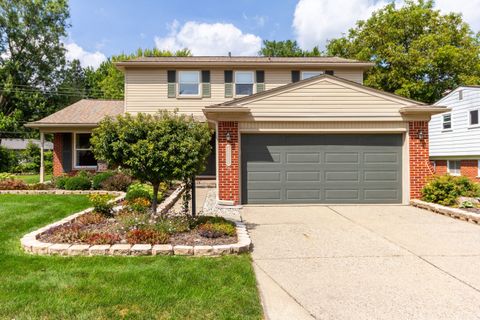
101 28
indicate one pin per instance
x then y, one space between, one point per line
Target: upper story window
473 121
244 83
454 167
310 74
188 83
447 121
83 151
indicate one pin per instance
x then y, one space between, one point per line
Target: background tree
155 148
287 48
31 58
418 52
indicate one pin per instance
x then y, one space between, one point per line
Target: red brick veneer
228 176
420 168
57 154
469 168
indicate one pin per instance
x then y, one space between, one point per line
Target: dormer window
244 83
310 74
188 83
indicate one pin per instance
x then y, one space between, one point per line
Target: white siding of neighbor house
461 140
146 89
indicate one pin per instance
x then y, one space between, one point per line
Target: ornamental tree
156 148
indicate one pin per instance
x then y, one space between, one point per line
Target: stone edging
171 200
61 191
30 243
447 211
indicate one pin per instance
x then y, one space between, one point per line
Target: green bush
78 183
101 204
446 189
6 176
118 182
216 230
60 182
8 160
139 190
99 178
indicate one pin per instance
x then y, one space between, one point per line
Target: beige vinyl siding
326 98
146 89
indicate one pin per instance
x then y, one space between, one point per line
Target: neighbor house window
188 83
474 117
447 121
454 167
309 74
83 151
243 83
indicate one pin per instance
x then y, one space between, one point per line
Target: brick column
57 154
228 175
420 168
469 168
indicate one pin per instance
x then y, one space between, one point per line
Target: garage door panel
321 168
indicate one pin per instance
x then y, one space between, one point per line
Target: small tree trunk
156 186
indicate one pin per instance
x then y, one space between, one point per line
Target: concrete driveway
364 262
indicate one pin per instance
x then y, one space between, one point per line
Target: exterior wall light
420 135
228 137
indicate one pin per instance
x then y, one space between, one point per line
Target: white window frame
470 118
235 81
443 122
186 95
75 166
317 73
459 173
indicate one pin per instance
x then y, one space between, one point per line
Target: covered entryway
321 168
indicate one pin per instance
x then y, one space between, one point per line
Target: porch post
42 163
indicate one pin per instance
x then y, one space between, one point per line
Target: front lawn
32 178
34 287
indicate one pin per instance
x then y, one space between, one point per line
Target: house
288 130
21 144
455 135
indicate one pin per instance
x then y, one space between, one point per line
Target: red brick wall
441 167
228 176
469 168
420 168
57 154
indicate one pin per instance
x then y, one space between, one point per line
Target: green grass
32 178
43 287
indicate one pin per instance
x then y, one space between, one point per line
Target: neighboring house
455 136
21 144
288 130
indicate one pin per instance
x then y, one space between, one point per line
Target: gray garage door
321 168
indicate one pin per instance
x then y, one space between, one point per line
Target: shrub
139 190
446 189
94 238
40 186
6 176
60 182
78 183
99 178
140 205
8 159
90 218
118 182
147 236
467 204
101 204
216 230
13 185
172 225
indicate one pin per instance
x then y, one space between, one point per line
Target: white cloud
86 58
209 39
316 21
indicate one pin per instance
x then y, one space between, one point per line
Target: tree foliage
418 52
32 57
155 148
287 48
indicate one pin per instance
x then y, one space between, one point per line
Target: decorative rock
203 250
162 249
59 248
101 249
120 249
141 249
78 250
183 250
